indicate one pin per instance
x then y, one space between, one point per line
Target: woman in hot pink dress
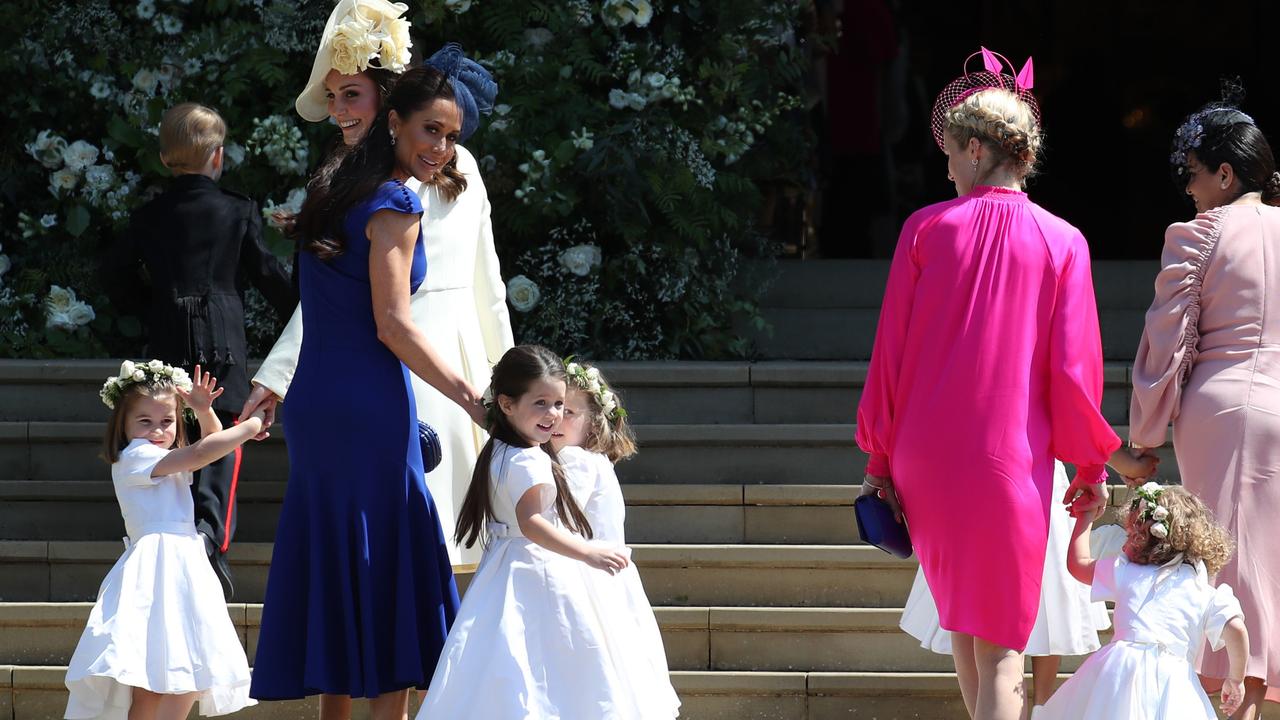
987 366
1209 361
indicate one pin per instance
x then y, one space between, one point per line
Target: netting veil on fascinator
991 76
473 86
1216 115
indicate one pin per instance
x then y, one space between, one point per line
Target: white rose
59 298
610 403
1159 531
47 148
1151 487
146 81
655 80
394 54
580 259
1160 513
80 155
126 369
617 99
58 320
523 293
62 180
5 264
155 365
593 373
643 12
139 375
81 313
636 101
617 12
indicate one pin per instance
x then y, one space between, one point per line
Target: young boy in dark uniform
199 245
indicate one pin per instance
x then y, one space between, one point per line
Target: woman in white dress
461 307
1067 624
1165 609
536 635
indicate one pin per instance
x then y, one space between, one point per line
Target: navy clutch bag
876 526
431 452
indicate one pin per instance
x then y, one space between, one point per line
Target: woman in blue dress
361 594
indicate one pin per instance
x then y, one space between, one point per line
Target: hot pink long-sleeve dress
1209 361
987 365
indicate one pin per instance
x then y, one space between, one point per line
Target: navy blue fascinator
473 86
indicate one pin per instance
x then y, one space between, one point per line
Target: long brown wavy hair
520 367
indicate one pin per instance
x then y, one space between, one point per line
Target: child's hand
607 559
260 417
204 390
1232 696
1135 466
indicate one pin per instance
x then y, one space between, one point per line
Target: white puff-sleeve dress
160 621
1163 615
534 636
1068 621
595 486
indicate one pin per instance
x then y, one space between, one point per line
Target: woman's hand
1134 465
1232 696
264 401
478 413
883 487
610 560
1084 497
204 390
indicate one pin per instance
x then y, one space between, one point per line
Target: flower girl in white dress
533 637
1165 609
159 637
1068 621
592 437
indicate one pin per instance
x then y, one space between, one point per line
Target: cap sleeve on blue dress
393 195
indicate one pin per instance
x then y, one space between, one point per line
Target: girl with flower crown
461 306
1165 608
594 435
159 637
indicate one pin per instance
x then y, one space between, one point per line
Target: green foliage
651 132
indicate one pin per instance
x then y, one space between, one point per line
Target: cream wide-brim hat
312 104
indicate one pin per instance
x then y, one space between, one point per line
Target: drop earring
393 138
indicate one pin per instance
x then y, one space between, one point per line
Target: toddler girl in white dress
159 637
592 437
1165 609
534 636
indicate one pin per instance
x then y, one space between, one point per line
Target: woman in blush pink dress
987 366
1209 361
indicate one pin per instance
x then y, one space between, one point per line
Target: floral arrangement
588 380
1146 503
149 374
634 147
364 36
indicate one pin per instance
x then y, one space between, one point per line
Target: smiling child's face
153 418
537 412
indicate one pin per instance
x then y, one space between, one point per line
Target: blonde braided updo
1003 124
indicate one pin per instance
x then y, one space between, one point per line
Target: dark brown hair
116 439
351 174
519 368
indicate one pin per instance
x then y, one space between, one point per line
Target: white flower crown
588 379
148 373
1146 502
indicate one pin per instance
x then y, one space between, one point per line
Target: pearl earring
393 137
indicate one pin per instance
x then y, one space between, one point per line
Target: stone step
656 393
670 454
721 514
696 638
38 693
674 575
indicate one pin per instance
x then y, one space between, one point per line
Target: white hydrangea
523 293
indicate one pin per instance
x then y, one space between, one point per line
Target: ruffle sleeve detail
1171 334
1223 607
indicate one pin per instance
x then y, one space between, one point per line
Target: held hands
610 560
1134 465
883 487
204 390
1086 499
261 402
1232 696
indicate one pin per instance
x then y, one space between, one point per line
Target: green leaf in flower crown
77 220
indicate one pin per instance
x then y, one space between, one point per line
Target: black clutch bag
876 526
431 452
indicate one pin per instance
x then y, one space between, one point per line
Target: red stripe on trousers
231 503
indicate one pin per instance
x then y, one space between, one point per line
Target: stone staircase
739 510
